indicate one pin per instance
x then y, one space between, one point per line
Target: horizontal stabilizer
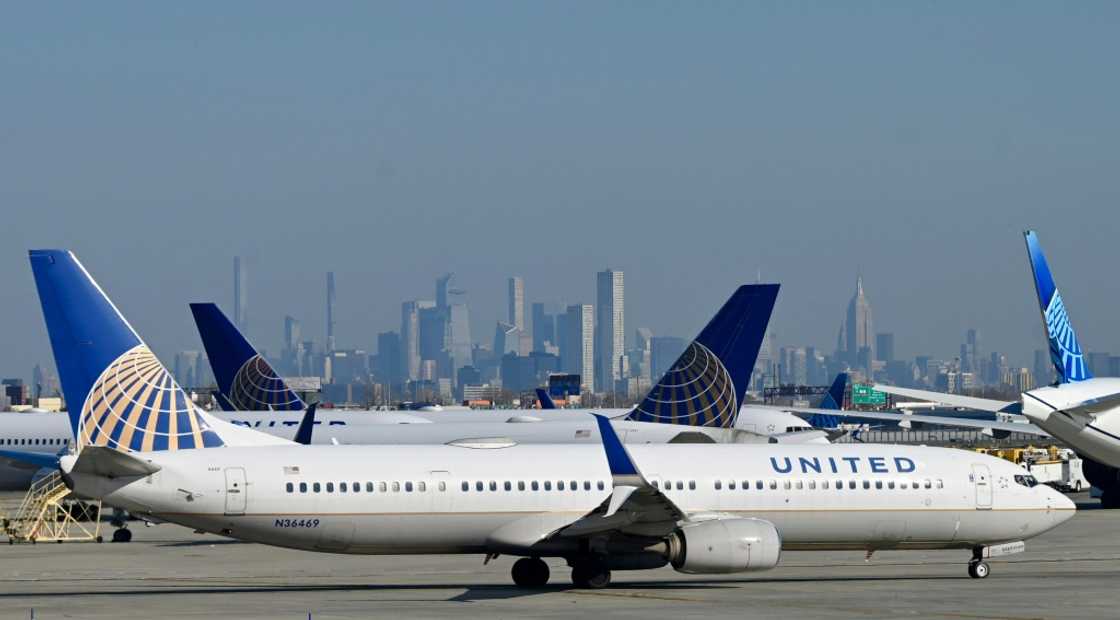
111 463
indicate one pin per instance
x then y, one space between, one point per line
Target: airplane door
982 479
236 491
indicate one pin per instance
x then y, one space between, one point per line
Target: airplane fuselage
447 499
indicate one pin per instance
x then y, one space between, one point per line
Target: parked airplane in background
1081 410
246 380
711 509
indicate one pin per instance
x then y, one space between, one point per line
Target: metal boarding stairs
47 515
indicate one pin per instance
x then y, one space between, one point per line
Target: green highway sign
865 395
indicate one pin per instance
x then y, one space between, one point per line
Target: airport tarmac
170 572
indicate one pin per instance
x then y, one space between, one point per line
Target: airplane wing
634 507
952 400
905 420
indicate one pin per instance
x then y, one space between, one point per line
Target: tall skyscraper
544 328
884 347
517 303
240 294
858 330
410 337
330 312
972 357
610 329
292 354
388 367
577 345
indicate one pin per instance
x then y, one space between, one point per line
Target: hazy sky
689 144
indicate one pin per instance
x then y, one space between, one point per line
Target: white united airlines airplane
1081 410
708 509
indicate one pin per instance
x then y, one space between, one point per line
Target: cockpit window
1027 480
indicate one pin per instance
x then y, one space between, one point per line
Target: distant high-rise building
443 284
240 294
330 312
388 368
410 337
544 328
507 339
972 358
884 347
517 303
577 345
663 351
858 330
1043 369
1098 363
610 328
292 354
458 341
184 369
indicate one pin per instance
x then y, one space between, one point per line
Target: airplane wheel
591 574
122 536
978 570
530 572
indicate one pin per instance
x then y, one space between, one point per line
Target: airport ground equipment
47 515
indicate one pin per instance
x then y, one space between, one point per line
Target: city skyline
909 143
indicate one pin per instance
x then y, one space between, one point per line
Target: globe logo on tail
1064 349
696 391
256 387
135 405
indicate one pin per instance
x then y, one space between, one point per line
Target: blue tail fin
544 399
1065 352
833 400
118 393
246 382
707 384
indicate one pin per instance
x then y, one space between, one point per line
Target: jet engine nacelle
725 546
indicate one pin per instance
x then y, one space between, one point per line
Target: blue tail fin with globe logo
1065 351
707 383
118 394
246 381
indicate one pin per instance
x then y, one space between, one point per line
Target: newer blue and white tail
832 400
118 394
246 382
707 383
1065 352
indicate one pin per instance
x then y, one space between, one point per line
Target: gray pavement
169 572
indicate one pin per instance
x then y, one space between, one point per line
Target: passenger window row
532 485
357 487
813 484
52 441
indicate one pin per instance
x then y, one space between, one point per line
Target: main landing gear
590 572
530 572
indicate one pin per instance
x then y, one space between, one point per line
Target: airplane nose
1062 508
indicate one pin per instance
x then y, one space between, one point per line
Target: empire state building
858 332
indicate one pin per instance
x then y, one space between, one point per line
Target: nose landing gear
978 569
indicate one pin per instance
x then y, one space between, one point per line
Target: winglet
1065 352
544 399
306 425
623 469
